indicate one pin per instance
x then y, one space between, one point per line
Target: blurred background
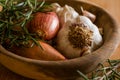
113 7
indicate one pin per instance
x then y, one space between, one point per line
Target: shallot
1 8
46 25
47 52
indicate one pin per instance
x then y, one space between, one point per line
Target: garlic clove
86 13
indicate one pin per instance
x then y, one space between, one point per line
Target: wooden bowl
67 70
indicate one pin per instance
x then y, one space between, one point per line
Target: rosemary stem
14 19
82 75
108 73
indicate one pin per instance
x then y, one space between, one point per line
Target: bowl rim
113 41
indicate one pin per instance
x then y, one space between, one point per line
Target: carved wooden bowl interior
60 70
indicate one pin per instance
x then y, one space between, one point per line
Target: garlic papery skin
70 42
97 38
66 13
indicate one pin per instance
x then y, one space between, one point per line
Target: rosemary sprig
110 72
17 13
83 75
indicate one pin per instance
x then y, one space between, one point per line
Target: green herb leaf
16 14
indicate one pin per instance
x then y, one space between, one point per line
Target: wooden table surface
111 6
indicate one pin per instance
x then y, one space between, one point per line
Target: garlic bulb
88 36
66 13
74 40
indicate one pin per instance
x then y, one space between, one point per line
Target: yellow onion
46 25
47 52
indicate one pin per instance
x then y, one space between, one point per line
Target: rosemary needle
82 75
109 72
17 13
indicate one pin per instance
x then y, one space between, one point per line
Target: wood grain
111 6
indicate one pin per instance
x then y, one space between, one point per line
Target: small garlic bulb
66 13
